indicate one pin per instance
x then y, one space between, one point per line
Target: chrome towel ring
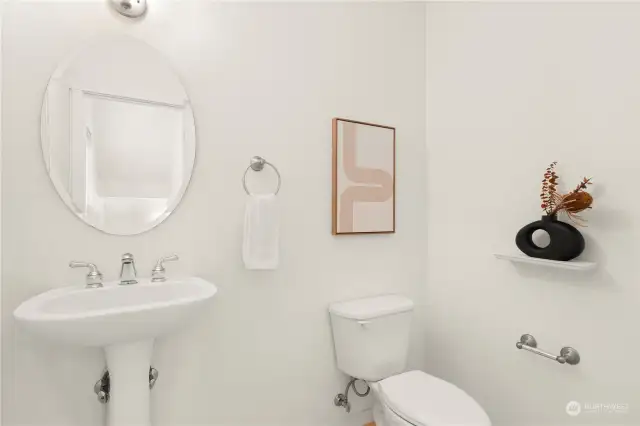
257 164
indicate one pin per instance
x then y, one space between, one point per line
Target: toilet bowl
419 399
371 342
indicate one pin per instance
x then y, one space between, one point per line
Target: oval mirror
118 135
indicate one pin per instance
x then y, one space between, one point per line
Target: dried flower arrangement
572 203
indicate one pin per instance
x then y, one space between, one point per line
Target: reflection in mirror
118 136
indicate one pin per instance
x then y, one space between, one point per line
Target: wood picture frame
363 178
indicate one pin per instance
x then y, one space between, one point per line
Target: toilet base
382 415
378 414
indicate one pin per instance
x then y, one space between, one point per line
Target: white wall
510 88
264 79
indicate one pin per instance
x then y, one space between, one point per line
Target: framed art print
364 157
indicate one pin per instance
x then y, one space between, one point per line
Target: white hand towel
260 245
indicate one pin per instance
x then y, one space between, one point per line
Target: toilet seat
425 400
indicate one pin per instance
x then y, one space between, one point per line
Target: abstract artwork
363 178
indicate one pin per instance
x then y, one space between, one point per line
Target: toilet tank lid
372 307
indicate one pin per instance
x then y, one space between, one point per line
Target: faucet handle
94 277
157 273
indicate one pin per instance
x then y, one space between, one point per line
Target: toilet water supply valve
102 388
342 399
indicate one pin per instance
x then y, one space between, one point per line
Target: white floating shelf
576 265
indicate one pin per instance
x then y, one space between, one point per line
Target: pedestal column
128 364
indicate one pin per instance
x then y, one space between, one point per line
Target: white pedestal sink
124 320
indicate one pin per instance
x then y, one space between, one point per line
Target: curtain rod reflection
133 100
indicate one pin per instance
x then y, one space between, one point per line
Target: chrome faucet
128 271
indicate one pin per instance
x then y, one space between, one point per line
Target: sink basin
125 320
114 313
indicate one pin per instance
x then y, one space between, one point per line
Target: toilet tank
371 335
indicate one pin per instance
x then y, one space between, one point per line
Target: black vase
566 241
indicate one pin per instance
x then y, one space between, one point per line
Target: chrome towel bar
567 355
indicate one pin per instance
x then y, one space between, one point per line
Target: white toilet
371 338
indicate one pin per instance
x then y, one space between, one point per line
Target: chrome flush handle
94 277
158 273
